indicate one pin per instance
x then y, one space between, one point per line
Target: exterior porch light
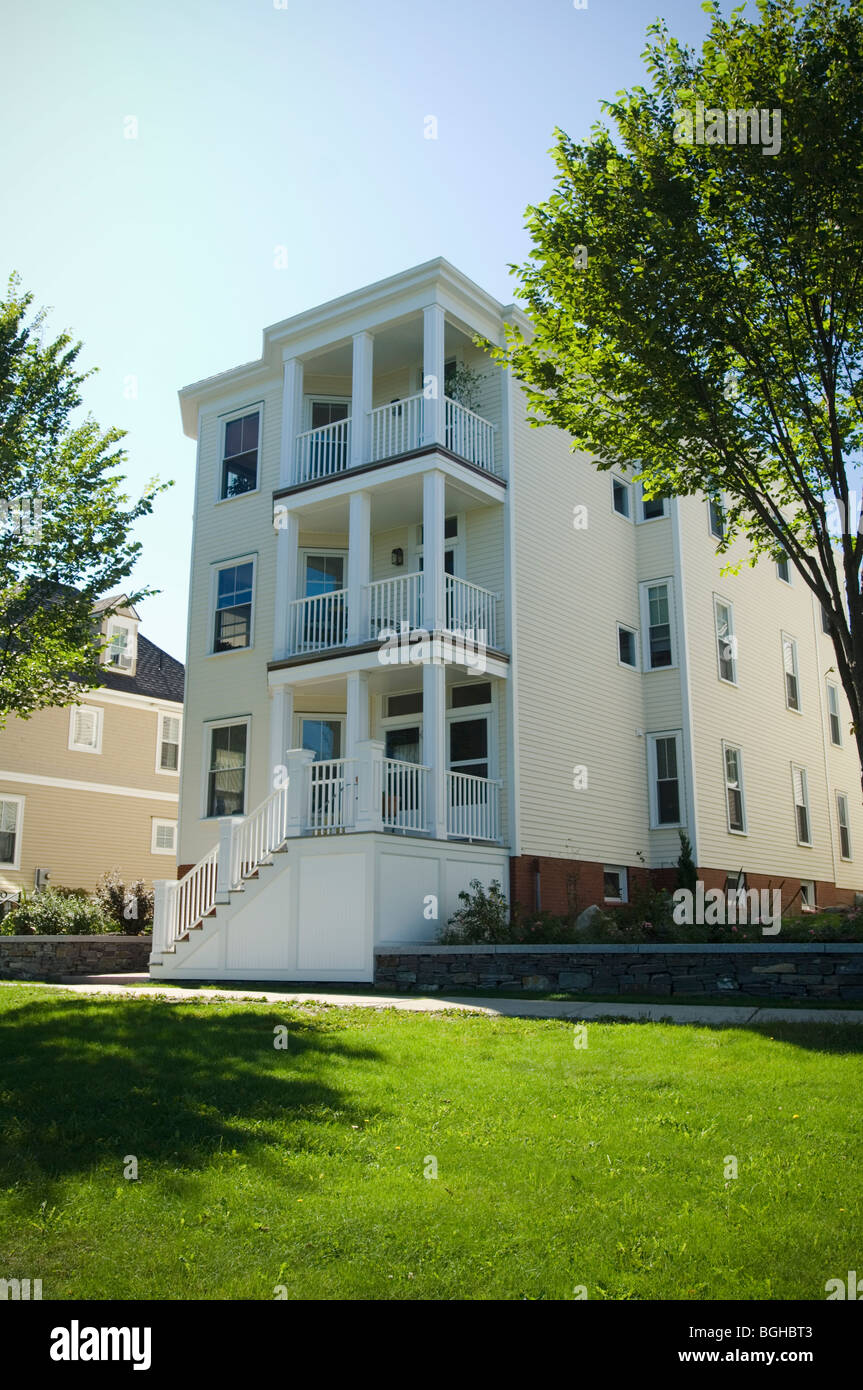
398 556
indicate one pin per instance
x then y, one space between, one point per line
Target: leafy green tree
696 286
64 521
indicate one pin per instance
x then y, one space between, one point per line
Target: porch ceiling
383 680
395 503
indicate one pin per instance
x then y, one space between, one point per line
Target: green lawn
558 1166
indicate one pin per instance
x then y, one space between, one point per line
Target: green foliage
464 385
698 307
129 908
483 917
687 874
56 912
53 567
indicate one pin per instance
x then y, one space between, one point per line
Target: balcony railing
472 811
469 435
395 601
318 623
471 609
331 796
392 429
404 795
323 452
396 428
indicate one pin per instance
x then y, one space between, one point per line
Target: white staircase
246 849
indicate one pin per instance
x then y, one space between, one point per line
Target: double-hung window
11 816
844 825
656 613
726 642
792 673
801 804
716 518
226 768
85 729
733 763
169 743
665 771
833 714
240 455
234 591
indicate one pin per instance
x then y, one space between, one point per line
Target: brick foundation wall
50 957
560 878
833 972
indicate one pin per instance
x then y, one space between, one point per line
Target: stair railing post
370 784
297 762
163 890
225 869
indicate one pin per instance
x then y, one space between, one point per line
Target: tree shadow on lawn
81 1083
837 1038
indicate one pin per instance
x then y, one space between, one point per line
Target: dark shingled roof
157 674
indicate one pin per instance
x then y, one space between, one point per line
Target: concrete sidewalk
733 1014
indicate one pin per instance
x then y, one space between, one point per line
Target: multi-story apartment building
374 472
94 786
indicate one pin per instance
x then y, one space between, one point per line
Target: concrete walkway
733 1014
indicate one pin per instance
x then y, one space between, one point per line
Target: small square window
807 893
652 508
627 646
614 884
164 837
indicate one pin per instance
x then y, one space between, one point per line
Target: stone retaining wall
778 972
49 957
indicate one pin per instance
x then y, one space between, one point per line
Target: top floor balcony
413 385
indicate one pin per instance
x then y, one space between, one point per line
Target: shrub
687 874
56 912
130 909
482 918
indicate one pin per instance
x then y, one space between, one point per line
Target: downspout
688 730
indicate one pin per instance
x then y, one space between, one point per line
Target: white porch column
356 711
434 745
297 761
359 566
292 414
287 567
434 595
433 374
369 753
281 724
361 397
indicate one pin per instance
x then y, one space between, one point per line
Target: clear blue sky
261 127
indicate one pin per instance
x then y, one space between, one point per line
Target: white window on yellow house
11 818
164 837
121 652
85 729
169 743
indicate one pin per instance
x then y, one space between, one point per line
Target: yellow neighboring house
89 787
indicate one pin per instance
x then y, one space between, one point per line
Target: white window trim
167 771
215 567
19 830
80 747
644 609
832 685
640 518
130 626
156 823
806 882
628 489
726 743
624 882
726 603
461 716
798 767
208 728
224 421
781 577
843 796
626 627
655 823
786 637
